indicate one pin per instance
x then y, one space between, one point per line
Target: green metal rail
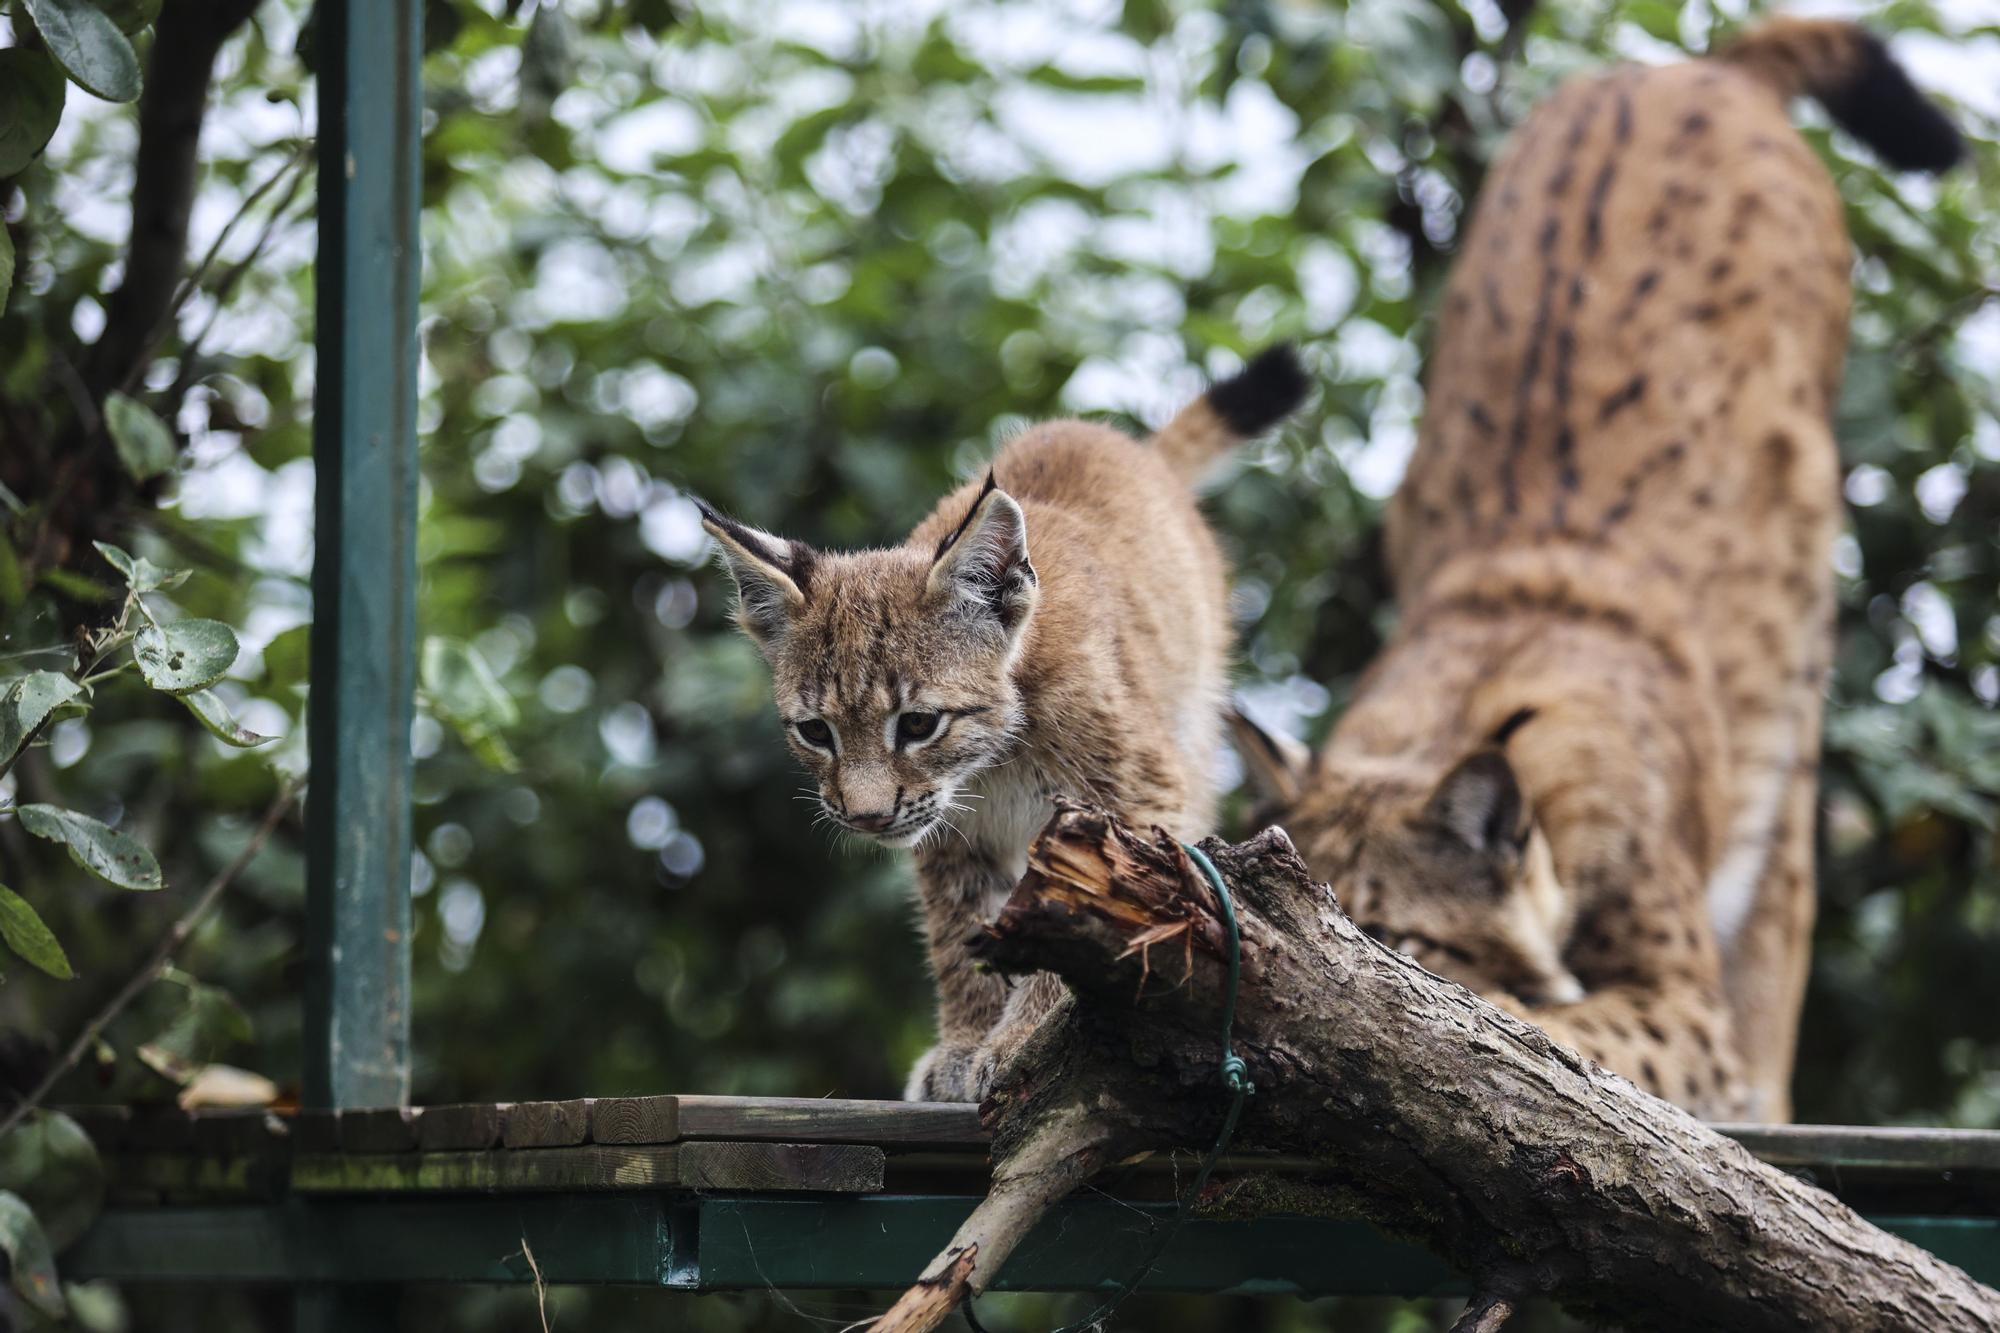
749 1242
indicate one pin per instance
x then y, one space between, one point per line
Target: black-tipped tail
1263 393
1878 105
1246 404
1851 73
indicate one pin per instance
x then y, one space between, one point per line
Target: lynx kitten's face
892 702
892 669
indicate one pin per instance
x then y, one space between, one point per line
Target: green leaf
211 1023
548 51
114 857
465 693
141 574
6 255
97 1307
51 1163
27 703
288 658
31 103
13 584
1412 43
221 723
29 936
72 584
186 656
145 445
34 1263
89 47
130 15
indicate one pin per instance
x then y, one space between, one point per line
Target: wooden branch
1432 1113
186 40
1484 1314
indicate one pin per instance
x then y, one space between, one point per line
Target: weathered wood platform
720 1193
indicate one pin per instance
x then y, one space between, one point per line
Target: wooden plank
466 1126
585 1168
159 1129
316 1131
635 1120
832 1120
829 1168
378 1129
1873 1147
244 1133
106 1125
547 1124
792 1167
174 1176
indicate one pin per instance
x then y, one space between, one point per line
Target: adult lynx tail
1849 72
1246 404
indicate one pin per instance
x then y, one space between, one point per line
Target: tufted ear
1479 803
982 568
1277 764
771 573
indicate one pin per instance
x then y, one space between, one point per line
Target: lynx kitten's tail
1246 404
1849 72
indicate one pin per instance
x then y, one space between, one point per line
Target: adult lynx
1580 777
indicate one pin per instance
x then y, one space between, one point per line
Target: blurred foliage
810 261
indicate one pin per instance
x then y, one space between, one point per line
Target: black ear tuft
1263 393
1517 719
951 538
1879 105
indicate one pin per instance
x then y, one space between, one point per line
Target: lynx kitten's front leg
959 886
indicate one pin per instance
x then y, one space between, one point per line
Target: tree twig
163 952
541 1287
1485 1313
191 348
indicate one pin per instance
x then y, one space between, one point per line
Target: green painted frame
357 1011
751 1242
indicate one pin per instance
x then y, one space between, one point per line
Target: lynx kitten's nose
872 823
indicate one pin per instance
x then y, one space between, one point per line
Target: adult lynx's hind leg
1767 967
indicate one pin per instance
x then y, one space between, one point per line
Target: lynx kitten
1060 629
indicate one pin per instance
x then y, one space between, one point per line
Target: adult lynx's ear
982 566
772 575
1277 764
1479 802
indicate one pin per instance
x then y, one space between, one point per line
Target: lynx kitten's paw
944 1074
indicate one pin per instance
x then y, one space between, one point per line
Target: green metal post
357 996
357 993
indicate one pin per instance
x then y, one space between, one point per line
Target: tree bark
186 40
62 461
1434 1115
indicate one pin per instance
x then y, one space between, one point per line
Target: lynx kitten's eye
815 732
916 727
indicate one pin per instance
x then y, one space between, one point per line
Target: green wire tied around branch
1235 1077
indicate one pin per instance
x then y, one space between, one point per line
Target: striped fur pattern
1612 551
1059 628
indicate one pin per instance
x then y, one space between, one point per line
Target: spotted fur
1059 628
1612 551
